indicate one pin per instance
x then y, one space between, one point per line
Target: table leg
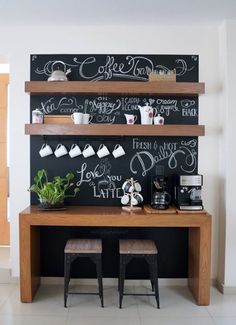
29 260
199 262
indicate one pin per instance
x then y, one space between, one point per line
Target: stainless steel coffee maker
160 198
188 190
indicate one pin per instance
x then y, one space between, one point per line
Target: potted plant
52 193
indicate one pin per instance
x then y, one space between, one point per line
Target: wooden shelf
163 88
115 130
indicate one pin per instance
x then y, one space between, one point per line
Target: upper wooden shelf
163 88
115 130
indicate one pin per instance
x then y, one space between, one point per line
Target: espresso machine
160 198
187 191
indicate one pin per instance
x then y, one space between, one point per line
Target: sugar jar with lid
159 120
37 116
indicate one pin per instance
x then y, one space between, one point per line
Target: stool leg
67 265
121 279
155 273
99 276
151 277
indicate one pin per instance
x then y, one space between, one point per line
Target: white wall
21 42
227 258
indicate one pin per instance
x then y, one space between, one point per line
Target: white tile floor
177 308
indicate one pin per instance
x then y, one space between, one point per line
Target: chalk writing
133 67
103 110
174 155
63 105
106 183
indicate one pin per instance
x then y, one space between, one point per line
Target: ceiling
115 12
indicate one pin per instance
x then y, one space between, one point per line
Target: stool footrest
83 293
139 294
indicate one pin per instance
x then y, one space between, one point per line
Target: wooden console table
198 223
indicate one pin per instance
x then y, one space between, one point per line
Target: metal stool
138 248
75 248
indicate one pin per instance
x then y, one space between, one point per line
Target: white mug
45 150
158 120
74 151
130 118
137 187
88 151
136 199
60 150
103 151
87 118
77 118
118 151
127 186
125 199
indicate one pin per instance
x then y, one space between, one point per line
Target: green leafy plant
52 193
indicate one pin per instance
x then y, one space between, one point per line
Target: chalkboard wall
100 180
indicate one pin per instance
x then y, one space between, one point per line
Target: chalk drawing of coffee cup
186 103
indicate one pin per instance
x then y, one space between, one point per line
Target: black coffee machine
188 192
160 198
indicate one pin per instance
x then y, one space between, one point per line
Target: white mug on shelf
87 118
130 118
103 151
88 151
45 150
118 151
77 118
60 150
75 151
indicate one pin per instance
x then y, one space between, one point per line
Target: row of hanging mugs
75 151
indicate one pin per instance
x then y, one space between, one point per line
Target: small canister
37 116
158 120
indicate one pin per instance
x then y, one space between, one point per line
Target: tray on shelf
148 209
57 119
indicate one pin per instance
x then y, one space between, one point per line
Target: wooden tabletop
96 216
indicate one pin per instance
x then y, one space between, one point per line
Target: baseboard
113 281
227 290
6 277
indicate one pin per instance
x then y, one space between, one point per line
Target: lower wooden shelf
115 129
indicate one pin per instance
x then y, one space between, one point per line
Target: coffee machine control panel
190 180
